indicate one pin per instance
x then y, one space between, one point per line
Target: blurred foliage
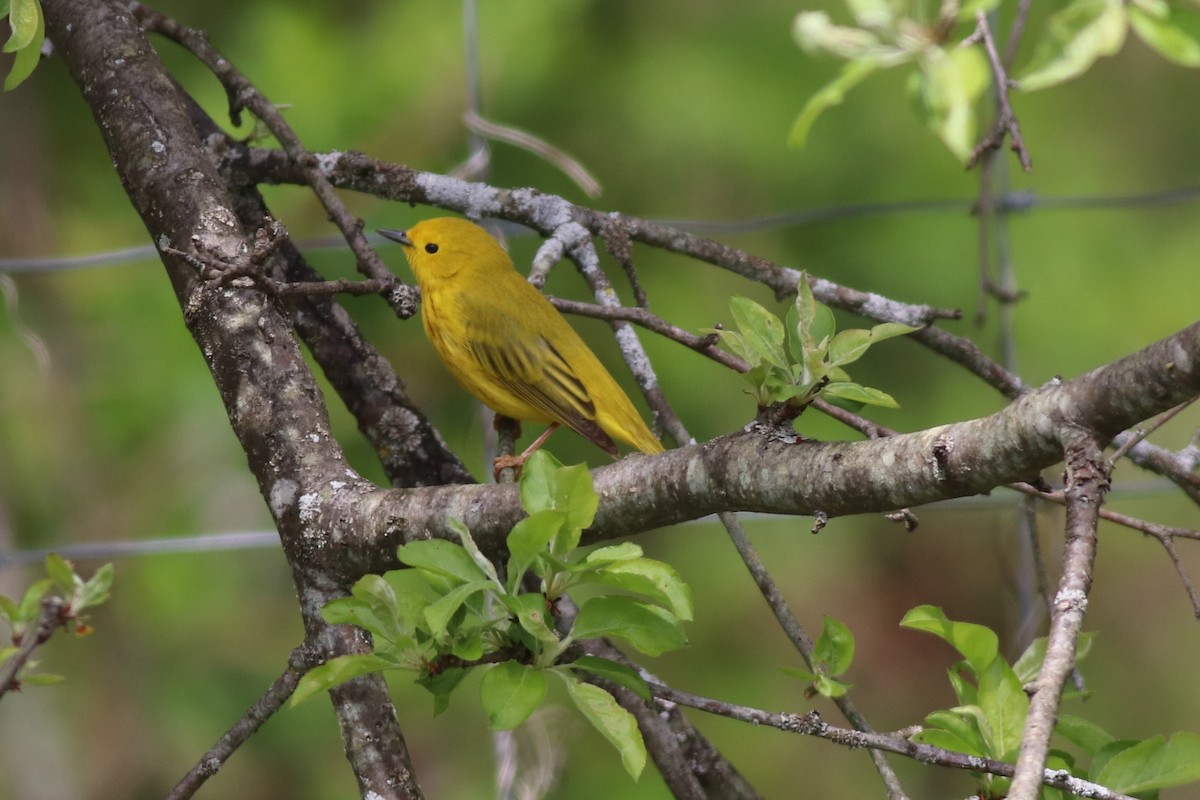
682 110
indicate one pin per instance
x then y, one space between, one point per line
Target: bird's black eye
431 248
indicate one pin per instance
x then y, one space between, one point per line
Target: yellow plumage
506 344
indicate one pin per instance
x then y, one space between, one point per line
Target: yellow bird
507 345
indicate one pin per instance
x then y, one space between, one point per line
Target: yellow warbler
507 345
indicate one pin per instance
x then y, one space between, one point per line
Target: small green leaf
625 551
1005 704
468 543
834 648
977 643
945 740
23 18
762 329
29 54
1076 37
438 558
1153 764
1086 735
95 590
574 495
441 685
735 343
31 601
530 538
531 613
439 613
831 94
946 87
829 687
614 671
537 481
61 572
336 671
854 393
961 726
40 679
650 629
510 692
848 346
614 723
1175 35
648 577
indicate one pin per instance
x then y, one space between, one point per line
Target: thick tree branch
778 474
273 402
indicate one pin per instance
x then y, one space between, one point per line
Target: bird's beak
396 236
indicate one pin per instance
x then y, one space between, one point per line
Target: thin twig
801 640
1138 434
1087 480
243 94
262 710
53 615
811 724
532 144
1006 119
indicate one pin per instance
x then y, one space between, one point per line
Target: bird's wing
535 371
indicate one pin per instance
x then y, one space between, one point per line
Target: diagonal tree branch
1087 480
274 404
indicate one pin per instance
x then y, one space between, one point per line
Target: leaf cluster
453 611
76 595
951 74
796 360
28 30
992 706
832 654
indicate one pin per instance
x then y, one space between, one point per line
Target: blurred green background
681 109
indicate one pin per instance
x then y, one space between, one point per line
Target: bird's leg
506 462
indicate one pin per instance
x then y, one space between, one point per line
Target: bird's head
440 248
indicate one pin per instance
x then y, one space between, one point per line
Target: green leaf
574 495
61 572
468 543
510 692
441 685
962 726
1005 704
1175 35
964 690
650 629
648 577
830 95
735 343
946 740
1075 37
23 17
1088 736
537 481
978 644
834 647
31 601
29 54
41 679
946 87
762 329
855 393
614 723
625 551
1029 663
438 558
96 589
439 613
528 539
848 346
613 671
336 671
1153 764
828 687
530 610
